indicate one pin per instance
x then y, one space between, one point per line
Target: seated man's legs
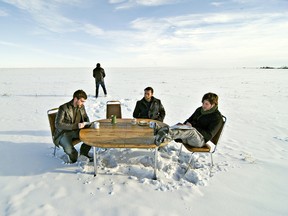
191 136
84 149
66 143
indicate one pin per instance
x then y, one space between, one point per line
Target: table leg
95 160
155 164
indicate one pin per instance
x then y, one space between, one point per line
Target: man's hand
187 123
81 125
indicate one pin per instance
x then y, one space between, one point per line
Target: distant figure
149 107
99 75
69 120
197 130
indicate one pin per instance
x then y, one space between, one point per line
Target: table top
123 134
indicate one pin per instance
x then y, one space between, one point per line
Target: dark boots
161 134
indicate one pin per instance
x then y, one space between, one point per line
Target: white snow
250 172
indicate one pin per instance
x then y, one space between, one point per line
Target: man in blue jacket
197 130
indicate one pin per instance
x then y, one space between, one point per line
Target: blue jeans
66 143
102 85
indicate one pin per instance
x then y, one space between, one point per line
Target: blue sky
143 33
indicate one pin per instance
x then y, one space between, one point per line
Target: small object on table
113 119
142 123
96 125
134 121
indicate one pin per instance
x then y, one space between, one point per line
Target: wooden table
123 134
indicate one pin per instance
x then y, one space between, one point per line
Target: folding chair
52 113
206 148
113 108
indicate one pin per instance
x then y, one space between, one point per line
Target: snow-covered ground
250 172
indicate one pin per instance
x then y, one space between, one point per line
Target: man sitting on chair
70 119
197 130
149 107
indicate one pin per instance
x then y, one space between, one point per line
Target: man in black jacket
99 75
197 130
149 107
69 120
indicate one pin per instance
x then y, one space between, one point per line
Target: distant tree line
267 67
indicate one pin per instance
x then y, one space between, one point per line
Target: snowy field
251 162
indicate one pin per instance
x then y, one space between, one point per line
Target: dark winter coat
207 124
65 120
99 74
156 110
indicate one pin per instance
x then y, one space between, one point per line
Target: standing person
149 107
69 120
201 127
99 75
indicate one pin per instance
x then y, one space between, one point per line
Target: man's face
79 102
148 95
206 105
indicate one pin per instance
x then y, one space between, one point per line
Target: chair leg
180 150
212 164
155 164
54 150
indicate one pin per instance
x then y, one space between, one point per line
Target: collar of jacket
72 105
213 109
152 99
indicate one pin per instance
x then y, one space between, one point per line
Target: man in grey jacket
69 120
149 107
99 75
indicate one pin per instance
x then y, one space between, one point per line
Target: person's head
209 100
79 98
148 93
98 65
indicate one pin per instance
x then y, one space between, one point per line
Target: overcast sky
128 33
